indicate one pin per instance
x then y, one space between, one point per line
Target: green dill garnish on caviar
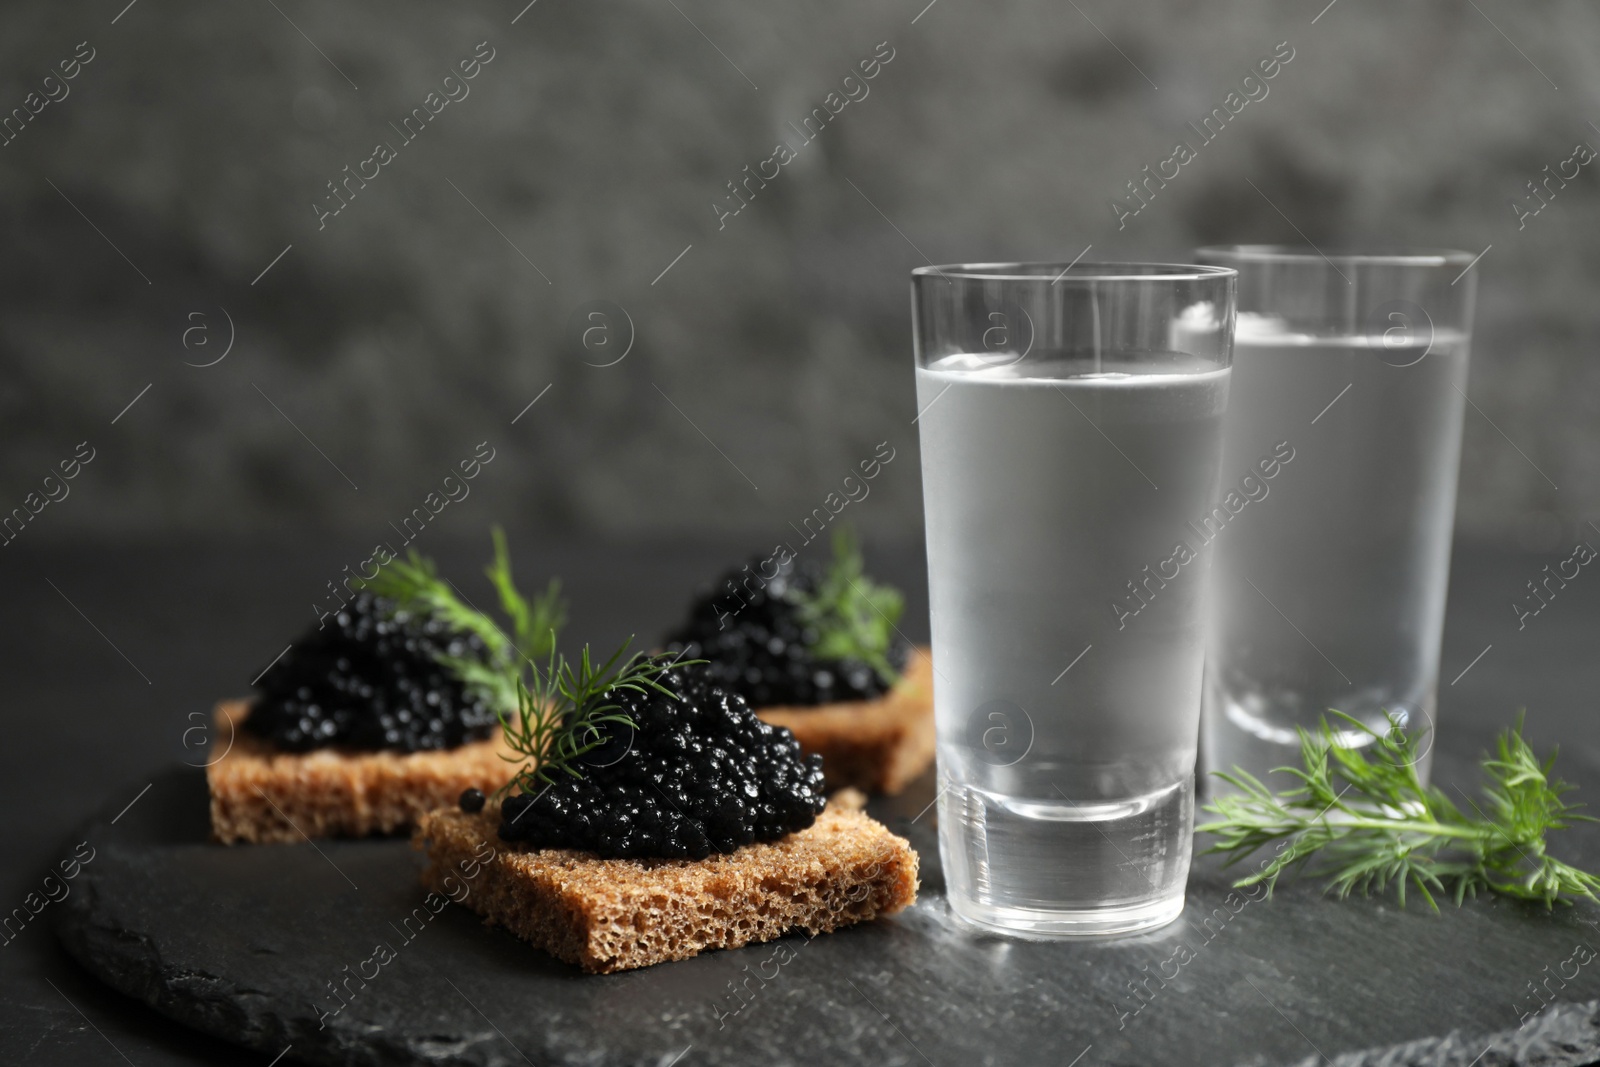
414 585
853 616
1363 819
568 711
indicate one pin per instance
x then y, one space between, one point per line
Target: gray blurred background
165 206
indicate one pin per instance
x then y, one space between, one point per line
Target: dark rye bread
616 915
260 793
875 745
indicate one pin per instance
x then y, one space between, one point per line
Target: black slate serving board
249 943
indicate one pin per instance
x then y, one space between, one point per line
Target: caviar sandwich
815 648
387 709
655 817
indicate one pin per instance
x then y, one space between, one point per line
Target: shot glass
1339 460
1070 418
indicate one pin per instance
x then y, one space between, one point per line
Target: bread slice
876 745
615 915
260 793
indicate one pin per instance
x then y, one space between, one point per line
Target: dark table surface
111 647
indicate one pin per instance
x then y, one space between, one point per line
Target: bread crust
260 793
876 745
616 915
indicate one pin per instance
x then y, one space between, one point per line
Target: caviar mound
368 678
698 774
759 647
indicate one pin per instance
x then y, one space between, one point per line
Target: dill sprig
1363 818
853 616
564 714
415 586
533 625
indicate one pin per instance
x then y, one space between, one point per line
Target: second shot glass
1342 444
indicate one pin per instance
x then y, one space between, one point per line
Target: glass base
1232 737
1049 867
1063 925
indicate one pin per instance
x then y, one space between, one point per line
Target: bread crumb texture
262 794
616 915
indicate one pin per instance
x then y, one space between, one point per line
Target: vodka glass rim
1356 255
1071 272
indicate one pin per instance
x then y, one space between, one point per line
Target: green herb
563 715
853 616
534 626
1365 820
415 586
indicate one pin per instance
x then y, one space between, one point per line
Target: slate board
244 943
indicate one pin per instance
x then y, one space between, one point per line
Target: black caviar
472 801
698 774
748 626
368 678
